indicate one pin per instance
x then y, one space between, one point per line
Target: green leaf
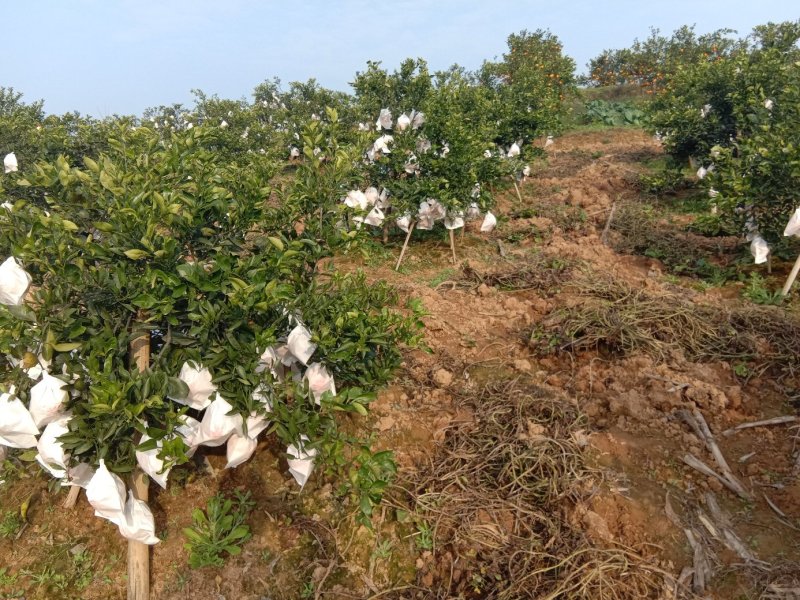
135 254
276 242
67 346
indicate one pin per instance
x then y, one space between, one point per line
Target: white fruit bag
513 151
189 430
302 462
10 164
403 121
106 494
51 453
299 344
198 380
217 425
454 221
150 463
384 120
375 217
356 199
17 429
489 223
47 400
793 226
759 249
240 448
319 381
404 223
14 282
136 522
473 212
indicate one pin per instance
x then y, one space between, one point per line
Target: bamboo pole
405 245
792 276
139 553
453 244
604 235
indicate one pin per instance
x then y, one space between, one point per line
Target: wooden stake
516 187
405 245
769 263
453 244
139 553
72 496
792 276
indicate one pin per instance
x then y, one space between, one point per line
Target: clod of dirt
443 378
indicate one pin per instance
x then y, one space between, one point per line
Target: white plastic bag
198 380
14 282
489 223
705 111
769 104
319 381
239 449
403 121
549 141
793 226
759 249
299 344
423 145
294 152
10 164
417 119
270 360
217 425
526 171
47 400
487 154
473 212
384 120
50 452
302 462
514 150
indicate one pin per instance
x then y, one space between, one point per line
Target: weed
383 550
220 529
441 277
424 536
757 291
11 524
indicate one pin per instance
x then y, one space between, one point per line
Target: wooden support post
792 276
453 244
405 245
72 496
604 235
139 553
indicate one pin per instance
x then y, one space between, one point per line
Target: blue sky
120 56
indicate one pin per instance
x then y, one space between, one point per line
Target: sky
104 57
